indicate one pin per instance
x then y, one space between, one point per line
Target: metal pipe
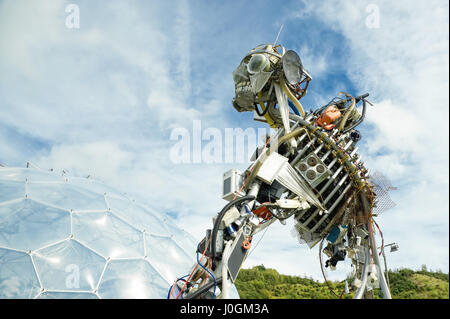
338 200
332 178
386 269
353 152
383 284
297 158
326 200
339 184
360 292
317 150
326 155
225 256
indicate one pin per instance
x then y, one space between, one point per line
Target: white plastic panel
68 266
17 276
67 295
30 174
271 166
10 190
170 259
29 225
133 279
136 214
182 238
108 235
66 196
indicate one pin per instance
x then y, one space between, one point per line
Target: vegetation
264 283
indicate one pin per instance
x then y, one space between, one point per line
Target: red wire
371 239
382 238
196 265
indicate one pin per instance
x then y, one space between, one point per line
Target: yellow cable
267 116
292 97
347 113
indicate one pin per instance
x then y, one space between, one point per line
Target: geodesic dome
67 237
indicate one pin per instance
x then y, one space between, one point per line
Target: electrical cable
219 220
323 271
292 97
254 247
193 270
293 108
346 115
263 113
359 121
215 282
171 287
203 289
382 238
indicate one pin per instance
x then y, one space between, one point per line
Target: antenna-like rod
281 28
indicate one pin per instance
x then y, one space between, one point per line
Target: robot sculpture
308 170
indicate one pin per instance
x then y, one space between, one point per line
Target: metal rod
325 216
225 256
360 292
326 199
297 158
332 178
383 284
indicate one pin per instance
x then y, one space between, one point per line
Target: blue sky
103 100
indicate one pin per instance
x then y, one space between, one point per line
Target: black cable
260 113
361 97
203 289
219 219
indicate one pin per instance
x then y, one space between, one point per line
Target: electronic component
337 233
230 216
219 242
232 182
313 169
269 193
270 167
237 256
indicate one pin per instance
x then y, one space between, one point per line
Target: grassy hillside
260 282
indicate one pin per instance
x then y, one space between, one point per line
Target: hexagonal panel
71 268
93 185
135 214
28 225
182 238
133 279
66 295
11 190
108 235
66 196
170 259
31 174
17 276
68 265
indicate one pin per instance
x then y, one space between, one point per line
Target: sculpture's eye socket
292 66
257 63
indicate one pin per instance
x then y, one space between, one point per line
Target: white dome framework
68 237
